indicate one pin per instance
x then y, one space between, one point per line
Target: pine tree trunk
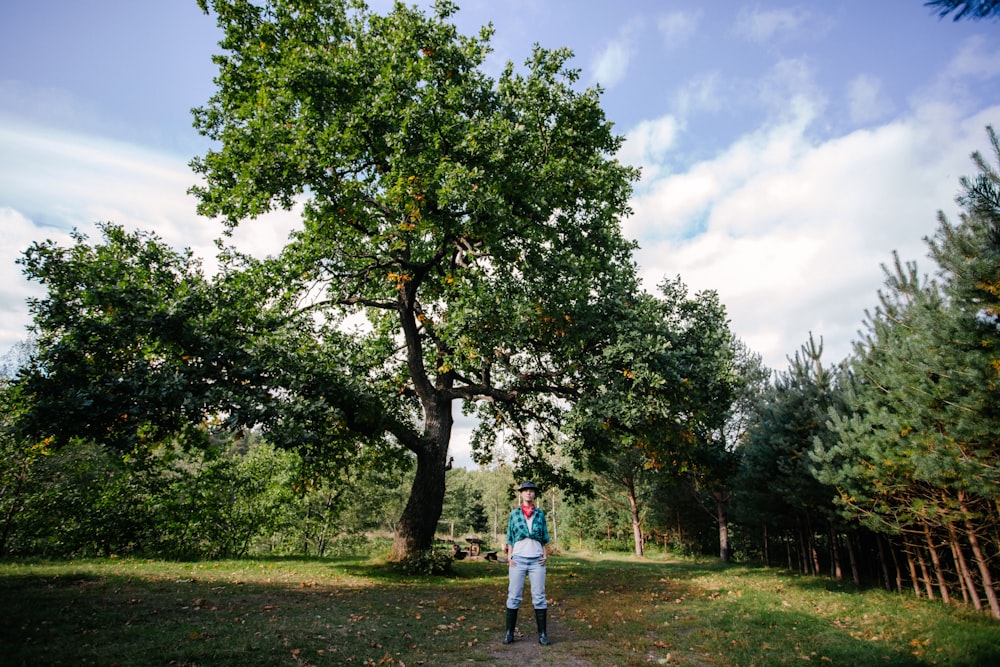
884 562
925 574
913 571
899 570
853 557
803 550
981 561
965 574
767 548
835 564
936 564
814 552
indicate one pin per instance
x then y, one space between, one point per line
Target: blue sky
787 147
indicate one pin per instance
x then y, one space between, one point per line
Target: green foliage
464 502
473 222
658 408
777 485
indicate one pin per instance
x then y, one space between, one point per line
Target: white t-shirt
528 548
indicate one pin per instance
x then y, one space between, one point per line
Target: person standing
527 536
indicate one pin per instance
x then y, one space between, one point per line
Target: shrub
434 562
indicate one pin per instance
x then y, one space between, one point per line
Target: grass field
604 610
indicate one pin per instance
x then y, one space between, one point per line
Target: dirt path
564 651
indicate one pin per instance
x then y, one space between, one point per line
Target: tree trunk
306 531
981 561
723 518
936 564
767 549
913 571
419 520
899 570
555 524
803 552
884 562
814 552
965 574
928 585
633 505
836 565
853 557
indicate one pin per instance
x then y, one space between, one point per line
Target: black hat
528 485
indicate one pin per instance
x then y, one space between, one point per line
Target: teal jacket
517 527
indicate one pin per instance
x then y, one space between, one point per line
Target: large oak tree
474 222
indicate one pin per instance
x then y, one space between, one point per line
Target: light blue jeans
534 570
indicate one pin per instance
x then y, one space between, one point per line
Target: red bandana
528 511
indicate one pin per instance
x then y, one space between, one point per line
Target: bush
434 562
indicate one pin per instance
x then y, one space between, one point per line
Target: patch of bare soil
564 651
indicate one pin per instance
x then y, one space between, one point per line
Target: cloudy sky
788 147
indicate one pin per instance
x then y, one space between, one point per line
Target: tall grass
604 610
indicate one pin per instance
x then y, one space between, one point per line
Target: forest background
159 411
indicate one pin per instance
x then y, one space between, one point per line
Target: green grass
604 610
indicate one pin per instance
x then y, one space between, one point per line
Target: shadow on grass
467 571
605 609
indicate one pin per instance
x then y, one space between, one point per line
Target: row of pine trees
887 466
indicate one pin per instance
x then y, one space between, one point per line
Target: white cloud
763 26
780 92
866 100
703 92
648 143
969 77
791 232
612 63
975 60
789 80
678 28
100 181
18 232
52 104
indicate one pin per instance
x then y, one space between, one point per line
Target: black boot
542 621
511 623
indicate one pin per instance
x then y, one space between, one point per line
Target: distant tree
464 502
739 379
19 461
497 485
475 223
777 491
974 10
668 385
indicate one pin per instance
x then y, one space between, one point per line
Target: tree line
461 248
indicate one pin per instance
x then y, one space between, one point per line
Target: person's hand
545 557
